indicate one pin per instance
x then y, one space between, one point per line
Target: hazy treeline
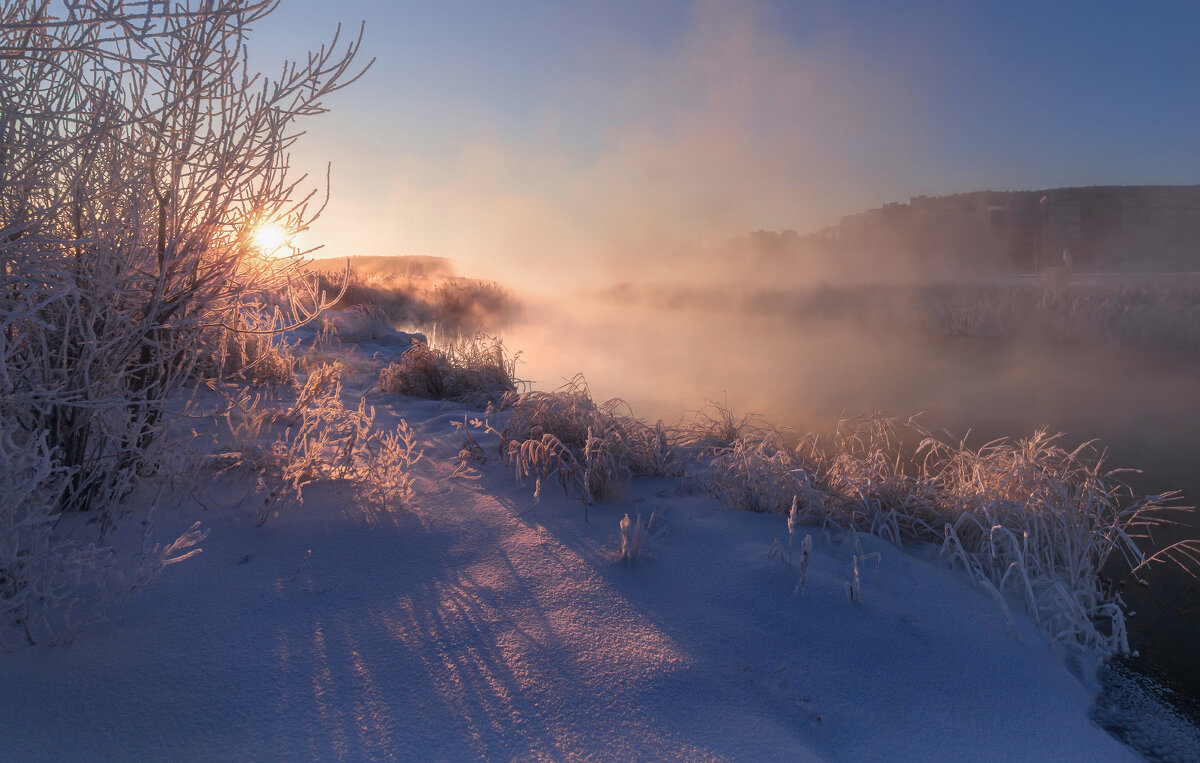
1147 315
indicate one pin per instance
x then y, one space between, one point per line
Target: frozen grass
355 324
476 371
757 473
322 440
564 434
1030 520
1041 522
634 535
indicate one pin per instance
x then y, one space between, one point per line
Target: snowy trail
476 626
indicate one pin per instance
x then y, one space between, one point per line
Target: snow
477 623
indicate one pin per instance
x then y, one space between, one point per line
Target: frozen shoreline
476 624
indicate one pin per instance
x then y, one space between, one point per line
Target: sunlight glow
270 238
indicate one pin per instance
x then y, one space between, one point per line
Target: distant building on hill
1098 228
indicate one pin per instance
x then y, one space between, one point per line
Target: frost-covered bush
475 371
137 155
51 585
126 213
253 350
590 447
321 440
388 474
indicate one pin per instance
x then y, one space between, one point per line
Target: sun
269 238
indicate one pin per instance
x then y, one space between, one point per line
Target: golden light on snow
270 238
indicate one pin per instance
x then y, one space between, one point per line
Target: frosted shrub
126 212
475 371
138 152
322 388
387 478
51 586
251 349
590 447
31 485
322 440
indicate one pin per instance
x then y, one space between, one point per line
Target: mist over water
666 352
808 371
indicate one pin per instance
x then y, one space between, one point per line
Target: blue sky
533 132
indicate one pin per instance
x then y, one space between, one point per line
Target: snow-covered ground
478 624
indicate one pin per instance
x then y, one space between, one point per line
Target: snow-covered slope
476 624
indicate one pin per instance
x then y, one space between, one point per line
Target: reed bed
1031 521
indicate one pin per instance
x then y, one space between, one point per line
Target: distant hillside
1090 229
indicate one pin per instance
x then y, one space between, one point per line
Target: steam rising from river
668 351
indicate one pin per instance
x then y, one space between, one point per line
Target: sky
595 135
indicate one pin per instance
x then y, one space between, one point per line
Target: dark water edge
1147 715
1141 406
